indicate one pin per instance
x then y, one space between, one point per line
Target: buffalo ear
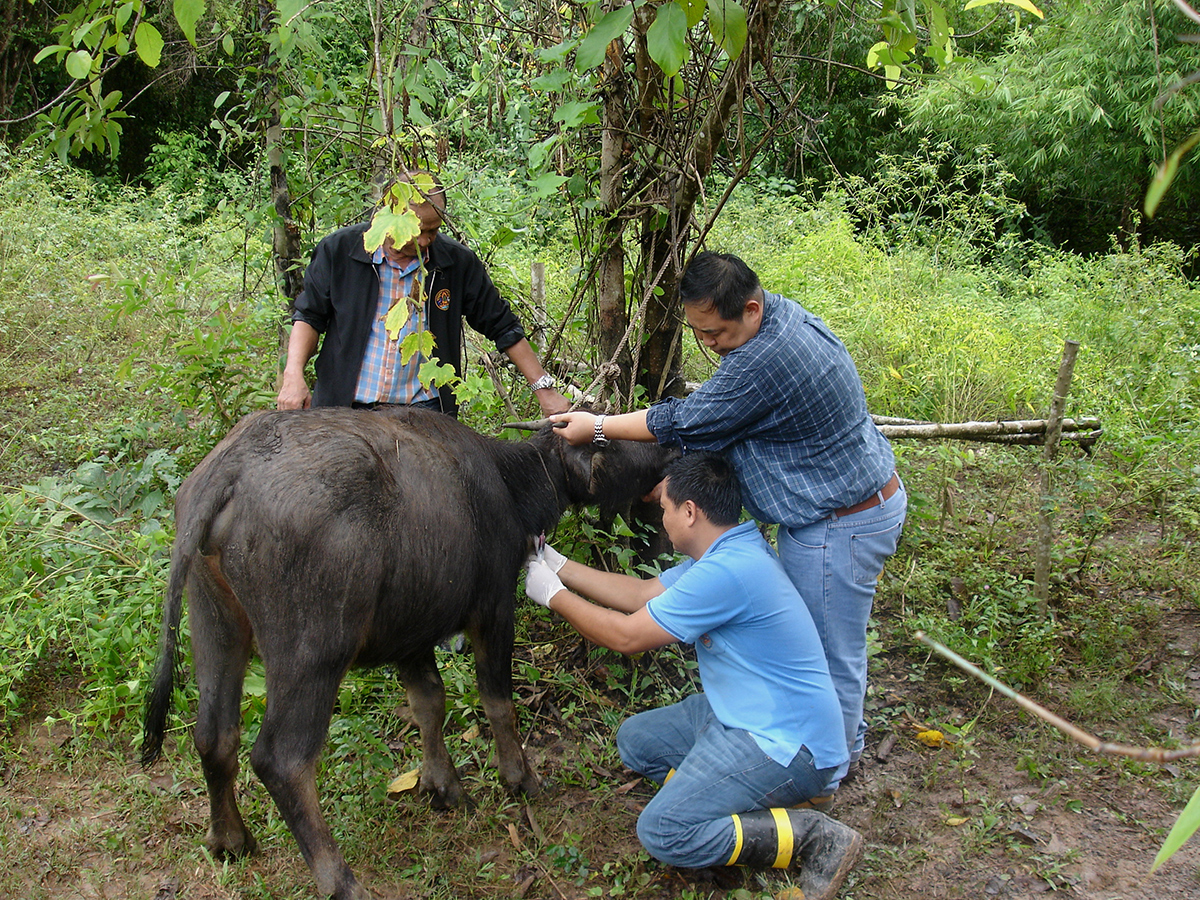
580 468
622 472
601 466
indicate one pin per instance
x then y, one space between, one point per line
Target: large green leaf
574 113
148 43
1185 826
421 342
1166 174
545 185
124 13
611 26
435 374
187 14
939 27
79 64
49 51
666 38
400 226
554 80
727 23
694 10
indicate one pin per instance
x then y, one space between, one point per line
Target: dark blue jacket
341 294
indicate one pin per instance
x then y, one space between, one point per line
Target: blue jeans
835 564
719 771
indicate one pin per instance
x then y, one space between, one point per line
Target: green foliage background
134 336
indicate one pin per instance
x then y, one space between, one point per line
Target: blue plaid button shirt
788 410
382 379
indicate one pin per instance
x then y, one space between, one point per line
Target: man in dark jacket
351 297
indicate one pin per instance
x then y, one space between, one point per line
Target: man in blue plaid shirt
786 406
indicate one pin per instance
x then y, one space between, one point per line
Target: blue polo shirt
761 661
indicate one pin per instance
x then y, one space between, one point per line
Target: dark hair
709 481
722 280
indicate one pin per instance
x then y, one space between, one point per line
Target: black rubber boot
822 850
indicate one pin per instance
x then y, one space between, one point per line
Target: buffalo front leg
221 640
492 643
299 707
427 700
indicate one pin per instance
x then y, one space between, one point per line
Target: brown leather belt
884 493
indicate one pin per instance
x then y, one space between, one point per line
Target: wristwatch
546 381
598 437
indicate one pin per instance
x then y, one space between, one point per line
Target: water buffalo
333 538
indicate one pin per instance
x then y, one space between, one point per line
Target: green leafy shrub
82 568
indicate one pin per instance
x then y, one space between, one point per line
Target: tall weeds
948 314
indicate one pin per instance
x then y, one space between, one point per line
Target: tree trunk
285 235
611 312
663 242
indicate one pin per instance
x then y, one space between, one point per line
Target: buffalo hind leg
492 642
427 700
221 642
294 729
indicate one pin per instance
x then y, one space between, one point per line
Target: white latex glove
541 582
553 558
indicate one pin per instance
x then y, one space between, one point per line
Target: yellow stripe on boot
737 840
820 850
783 828
761 838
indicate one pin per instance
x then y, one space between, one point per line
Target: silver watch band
598 437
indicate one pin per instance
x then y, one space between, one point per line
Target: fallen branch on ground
1189 820
1084 431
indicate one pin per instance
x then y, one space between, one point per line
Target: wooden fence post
1045 538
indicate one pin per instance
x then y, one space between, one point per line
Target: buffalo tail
158 702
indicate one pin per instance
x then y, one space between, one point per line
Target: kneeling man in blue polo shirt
766 734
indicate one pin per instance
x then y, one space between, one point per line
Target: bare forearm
624 633
522 355
581 427
527 363
302 344
613 590
629 426
293 389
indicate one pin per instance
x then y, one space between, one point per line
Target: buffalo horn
530 426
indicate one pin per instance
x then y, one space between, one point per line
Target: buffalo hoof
400 893
445 796
530 785
230 846
361 893
355 891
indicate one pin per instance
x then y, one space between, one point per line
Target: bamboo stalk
972 430
1084 439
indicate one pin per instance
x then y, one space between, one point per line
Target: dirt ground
986 817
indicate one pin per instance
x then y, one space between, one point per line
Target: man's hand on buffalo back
541 581
293 393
